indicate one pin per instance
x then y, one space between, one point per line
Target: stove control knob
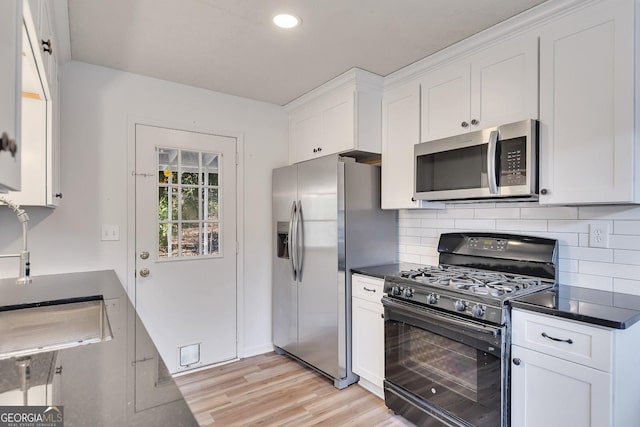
432 299
395 291
460 305
407 292
478 311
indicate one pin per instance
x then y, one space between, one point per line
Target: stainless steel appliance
447 328
327 219
499 163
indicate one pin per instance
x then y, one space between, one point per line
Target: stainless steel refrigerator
326 220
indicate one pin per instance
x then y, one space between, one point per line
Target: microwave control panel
513 162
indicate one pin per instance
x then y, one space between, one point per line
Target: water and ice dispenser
283 239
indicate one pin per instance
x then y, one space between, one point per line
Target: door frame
132 121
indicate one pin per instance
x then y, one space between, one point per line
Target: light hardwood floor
273 390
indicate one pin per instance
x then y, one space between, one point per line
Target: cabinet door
587 106
445 101
368 340
338 123
305 129
400 132
10 91
504 83
552 392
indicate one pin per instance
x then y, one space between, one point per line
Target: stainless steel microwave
493 163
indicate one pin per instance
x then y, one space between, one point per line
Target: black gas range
447 327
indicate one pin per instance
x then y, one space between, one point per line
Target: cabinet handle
464 124
544 191
59 195
369 290
475 122
7 144
413 199
58 370
568 340
319 149
46 46
315 150
382 315
516 361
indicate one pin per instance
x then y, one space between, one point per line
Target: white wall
96 104
615 268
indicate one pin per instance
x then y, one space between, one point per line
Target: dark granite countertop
111 383
602 308
380 271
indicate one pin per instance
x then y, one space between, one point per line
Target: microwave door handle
491 162
290 241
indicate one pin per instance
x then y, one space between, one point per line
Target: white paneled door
186 244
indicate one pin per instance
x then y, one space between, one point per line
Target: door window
189 223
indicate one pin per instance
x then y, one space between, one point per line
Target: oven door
443 366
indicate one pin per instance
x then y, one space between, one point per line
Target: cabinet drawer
566 339
367 287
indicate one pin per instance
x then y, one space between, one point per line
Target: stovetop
489 284
469 292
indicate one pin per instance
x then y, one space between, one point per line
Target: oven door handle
440 319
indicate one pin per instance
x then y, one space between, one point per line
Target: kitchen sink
53 325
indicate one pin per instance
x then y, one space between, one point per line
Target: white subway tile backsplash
622 271
586 281
410 222
521 225
616 267
568 225
497 213
475 224
609 212
455 213
626 227
568 265
560 212
623 256
438 223
409 240
586 254
626 286
624 242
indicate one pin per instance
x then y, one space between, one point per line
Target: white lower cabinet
552 392
569 373
368 332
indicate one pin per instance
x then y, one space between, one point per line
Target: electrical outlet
599 235
110 232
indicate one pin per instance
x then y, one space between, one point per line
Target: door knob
144 272
144 255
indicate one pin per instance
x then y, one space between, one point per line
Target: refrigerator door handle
299 240
291 241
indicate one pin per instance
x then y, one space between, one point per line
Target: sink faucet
25 266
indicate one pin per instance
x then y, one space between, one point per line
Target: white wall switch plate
599 235
110 232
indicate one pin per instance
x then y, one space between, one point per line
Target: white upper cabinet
10 94
40 115
588 150
497 85
400 132
341 116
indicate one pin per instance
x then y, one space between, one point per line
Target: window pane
167 166
167 207
210 203
167 240
190 166
190 208
190 239
210 239
210 168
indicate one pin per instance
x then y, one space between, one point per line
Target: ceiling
231 46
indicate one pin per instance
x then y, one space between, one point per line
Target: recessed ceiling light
286 21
